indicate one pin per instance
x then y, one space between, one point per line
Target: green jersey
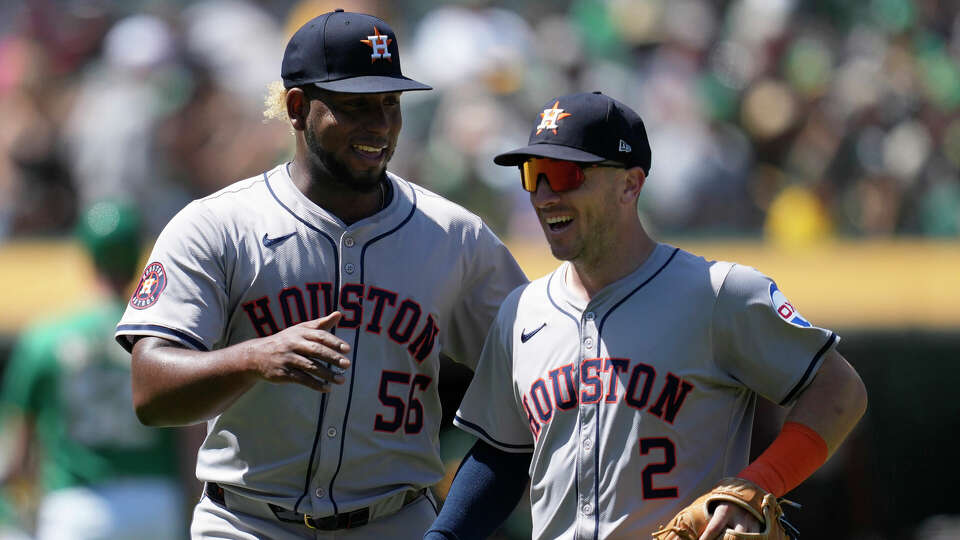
73 380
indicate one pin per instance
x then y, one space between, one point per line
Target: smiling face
581 225
351 137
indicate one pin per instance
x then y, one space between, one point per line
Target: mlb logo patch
152 283
785 309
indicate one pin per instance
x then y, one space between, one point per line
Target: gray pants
212 520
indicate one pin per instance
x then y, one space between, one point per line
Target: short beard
337 171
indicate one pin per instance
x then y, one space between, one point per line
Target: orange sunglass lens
561 175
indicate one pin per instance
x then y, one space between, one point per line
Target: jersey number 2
407 414
665 466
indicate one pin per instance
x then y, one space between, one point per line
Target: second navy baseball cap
585 128
346 52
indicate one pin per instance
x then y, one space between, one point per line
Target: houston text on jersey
560 394
402 319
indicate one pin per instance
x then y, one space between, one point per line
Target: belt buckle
308 521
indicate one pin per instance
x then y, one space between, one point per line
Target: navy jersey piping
336 302
556 305
576 374
176 334
603 320
597 442
433 504
356 349
487 436
806 374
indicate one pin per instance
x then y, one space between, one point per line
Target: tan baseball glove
692 520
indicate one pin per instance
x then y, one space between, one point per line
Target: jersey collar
296 203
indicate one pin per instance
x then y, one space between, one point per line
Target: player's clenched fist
307 354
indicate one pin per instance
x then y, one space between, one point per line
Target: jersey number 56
407 414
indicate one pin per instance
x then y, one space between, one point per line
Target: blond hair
275 102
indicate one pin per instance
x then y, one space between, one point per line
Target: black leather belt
349 520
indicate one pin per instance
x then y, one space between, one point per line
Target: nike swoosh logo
270 242
525 336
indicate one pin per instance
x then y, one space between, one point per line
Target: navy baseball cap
585 128
346 52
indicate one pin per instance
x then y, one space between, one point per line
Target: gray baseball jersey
419 279
642 399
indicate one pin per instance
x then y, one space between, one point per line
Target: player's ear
298 108
633 184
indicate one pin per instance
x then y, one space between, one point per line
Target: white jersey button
320 493
589 316
331 432
349 268
588 342
587 509
587 444
348 241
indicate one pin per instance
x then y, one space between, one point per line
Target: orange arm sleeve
791 458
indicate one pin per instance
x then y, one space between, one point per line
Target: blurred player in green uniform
66 395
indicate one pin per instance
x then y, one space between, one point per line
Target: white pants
131 509
210 520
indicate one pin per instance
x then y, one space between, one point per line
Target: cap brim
552 151
372 84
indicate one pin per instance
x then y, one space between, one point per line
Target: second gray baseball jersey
421 278
637 402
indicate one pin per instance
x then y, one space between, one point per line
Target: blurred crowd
794 120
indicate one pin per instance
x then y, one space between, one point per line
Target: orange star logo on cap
379 43
550 117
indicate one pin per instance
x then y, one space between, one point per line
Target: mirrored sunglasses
560 175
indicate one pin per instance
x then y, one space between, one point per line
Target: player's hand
729 516
734 508
307 354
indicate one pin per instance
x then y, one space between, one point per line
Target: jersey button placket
588 429
348 242
589 331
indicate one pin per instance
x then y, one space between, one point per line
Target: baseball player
623 384
302 313
101 473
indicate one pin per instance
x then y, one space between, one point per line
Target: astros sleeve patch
152 283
